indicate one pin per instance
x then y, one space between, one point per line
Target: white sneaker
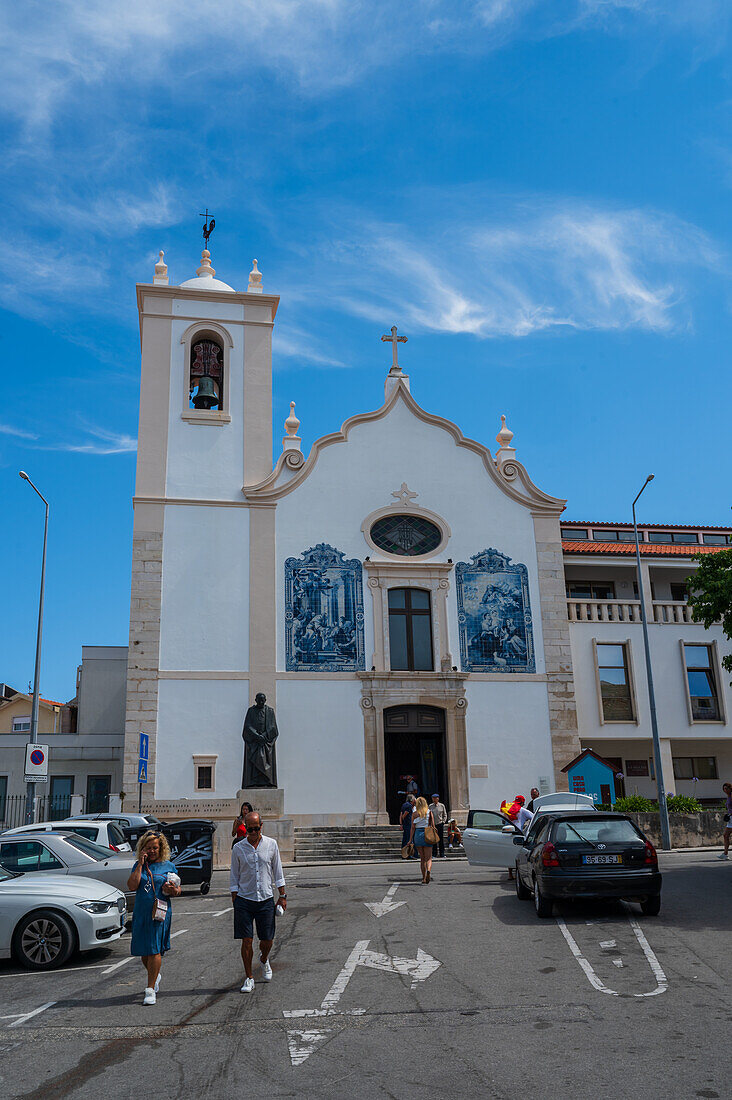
266 970
149 998
157 983
723 856
248 986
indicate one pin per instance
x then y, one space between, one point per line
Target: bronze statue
259 734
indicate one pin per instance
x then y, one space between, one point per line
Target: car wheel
542 905
522 892
651 907
43 940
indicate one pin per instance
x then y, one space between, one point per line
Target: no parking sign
36 763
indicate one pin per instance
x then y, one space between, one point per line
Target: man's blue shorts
248 913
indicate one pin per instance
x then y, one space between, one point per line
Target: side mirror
508 829
520 840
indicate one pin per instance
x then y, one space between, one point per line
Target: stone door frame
444 690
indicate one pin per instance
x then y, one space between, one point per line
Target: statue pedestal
269 802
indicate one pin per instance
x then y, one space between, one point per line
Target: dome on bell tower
204 279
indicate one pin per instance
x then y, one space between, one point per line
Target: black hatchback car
575 854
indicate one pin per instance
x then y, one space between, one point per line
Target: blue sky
536 191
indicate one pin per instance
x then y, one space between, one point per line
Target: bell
207 395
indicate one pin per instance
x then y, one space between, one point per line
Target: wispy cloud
103 443
19 433
294 344
535 266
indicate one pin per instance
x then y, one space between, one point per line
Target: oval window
408 536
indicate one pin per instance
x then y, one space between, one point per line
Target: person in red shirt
239 829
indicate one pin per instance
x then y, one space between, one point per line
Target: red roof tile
647 549
655 526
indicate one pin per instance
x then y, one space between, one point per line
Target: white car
107 833
488 837
45 918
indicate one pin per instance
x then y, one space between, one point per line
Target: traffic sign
144 752
142 771
36 763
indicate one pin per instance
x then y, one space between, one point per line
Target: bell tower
205 430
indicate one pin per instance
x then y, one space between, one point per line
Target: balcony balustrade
627 611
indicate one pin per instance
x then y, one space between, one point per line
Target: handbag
160 908
407 851
430 834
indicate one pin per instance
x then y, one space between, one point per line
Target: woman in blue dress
149 878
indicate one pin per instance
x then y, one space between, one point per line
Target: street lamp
662 807
31 789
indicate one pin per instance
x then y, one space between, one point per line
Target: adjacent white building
405 597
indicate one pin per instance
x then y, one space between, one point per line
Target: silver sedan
65 854
44 918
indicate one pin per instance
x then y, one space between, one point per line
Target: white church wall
320 751
200 717
355 478
205 461
204 622
507 733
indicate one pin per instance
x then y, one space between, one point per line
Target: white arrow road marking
379 908
618 962
607 944
596 982
418 969
301 1044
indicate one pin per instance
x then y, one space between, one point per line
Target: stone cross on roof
394 340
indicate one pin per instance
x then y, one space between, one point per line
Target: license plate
602 859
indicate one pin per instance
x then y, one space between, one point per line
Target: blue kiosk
589 774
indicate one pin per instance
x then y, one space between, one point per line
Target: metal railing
47 808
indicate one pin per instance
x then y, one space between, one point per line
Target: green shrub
683 804
634 803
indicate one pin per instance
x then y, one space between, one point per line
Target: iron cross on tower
208 226
394 340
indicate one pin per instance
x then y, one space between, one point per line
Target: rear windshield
88 847
594 831
115 834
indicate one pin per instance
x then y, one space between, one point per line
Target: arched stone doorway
414 745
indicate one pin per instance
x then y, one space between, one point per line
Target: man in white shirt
256 869
439 816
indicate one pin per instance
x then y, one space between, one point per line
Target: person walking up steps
422 820
256 869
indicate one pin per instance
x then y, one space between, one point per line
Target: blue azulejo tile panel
323 612
494 614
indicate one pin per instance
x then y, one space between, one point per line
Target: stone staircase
352 844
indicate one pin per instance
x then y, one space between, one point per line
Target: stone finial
255 280
505 451
161 272
205 268
292 441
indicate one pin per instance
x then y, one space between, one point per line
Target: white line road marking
380 908
301 1044
596 982
45 973
228 909
30 1015
131 958
607 944
203 912
618 962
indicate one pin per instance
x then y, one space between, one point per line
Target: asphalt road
460 990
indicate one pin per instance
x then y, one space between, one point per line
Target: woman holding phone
150 879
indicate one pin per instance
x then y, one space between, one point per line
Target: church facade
398 594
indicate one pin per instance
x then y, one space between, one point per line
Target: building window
204 772
613 536
206 378
636 769
21 724
407 536
98 788
616 695
695 767
410 630
3 796
715 540
685 538
679 592
575 533
701 683
591 590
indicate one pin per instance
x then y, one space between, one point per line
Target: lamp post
31 789
662 807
